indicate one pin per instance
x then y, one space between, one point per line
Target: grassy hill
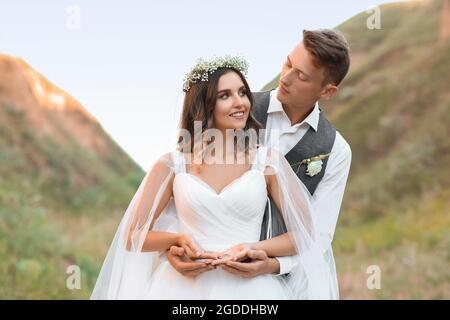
64 183
394 110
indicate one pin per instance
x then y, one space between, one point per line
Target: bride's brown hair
199 104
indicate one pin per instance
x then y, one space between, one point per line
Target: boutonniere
313 164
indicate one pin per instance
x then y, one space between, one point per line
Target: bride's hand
235 253
190 246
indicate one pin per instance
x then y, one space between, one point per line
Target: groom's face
301 82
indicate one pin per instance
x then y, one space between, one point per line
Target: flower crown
203 68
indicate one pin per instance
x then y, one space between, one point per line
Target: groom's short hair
329 50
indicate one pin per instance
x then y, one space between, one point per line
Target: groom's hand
186 266
259 264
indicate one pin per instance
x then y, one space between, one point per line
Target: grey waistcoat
313 143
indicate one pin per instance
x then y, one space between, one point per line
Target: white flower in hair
203 68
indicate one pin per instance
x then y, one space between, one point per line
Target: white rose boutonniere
314 167
313 164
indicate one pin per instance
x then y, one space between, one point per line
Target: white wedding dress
218 221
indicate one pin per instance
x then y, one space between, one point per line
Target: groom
312 71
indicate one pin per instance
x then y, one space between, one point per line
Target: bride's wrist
178 239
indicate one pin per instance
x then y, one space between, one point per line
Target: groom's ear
328 91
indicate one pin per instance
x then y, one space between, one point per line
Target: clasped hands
243 259
192 250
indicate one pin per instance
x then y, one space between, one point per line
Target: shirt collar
275 106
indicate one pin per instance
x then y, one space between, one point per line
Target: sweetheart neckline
214 191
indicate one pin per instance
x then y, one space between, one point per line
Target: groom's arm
327 198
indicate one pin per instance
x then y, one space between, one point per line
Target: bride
209 196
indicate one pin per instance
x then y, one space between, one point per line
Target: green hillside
64 183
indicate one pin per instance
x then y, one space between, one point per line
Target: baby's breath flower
204 68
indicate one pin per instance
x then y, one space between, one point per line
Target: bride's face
232 104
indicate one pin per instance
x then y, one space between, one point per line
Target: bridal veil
127 269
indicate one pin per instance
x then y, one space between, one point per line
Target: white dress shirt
327 198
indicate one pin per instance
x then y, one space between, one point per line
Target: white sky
126 61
